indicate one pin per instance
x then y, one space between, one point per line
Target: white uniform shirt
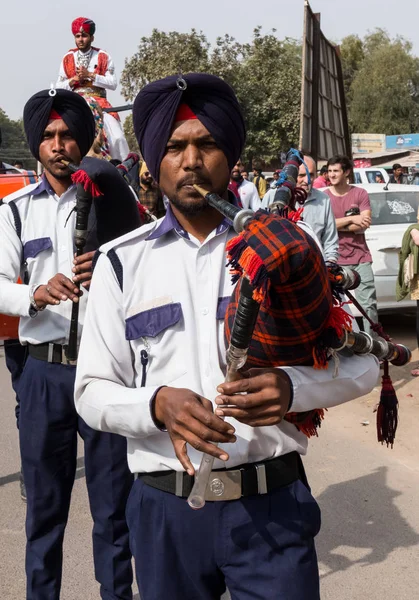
249 196
48 248
107 81
175 293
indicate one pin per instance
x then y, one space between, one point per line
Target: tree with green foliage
14 145
164 54
265 75
269 90
352 55
383 81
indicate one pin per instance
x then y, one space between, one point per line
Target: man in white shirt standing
244 190
37 243
90 72
152 366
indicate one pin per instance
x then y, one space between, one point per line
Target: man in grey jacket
317 211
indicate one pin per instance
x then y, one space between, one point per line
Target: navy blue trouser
48 443
260 547
15 355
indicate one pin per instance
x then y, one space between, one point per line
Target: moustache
59 159
191 180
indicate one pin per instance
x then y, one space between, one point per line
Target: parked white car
393 210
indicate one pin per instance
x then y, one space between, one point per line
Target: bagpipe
288 306
115 212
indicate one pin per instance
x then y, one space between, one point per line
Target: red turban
82 24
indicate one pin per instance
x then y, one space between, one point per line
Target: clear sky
35 34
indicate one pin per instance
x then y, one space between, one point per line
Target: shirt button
205 311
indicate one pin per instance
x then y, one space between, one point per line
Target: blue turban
71 107
209 97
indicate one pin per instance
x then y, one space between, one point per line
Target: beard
191 206
187 200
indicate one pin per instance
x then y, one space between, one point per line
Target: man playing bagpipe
37 230
153 362
90 72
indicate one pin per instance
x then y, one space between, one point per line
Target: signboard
324 127
399 142
366 143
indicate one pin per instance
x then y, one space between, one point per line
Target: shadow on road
80 472
361 523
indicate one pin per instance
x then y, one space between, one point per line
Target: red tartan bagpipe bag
301 319
298 314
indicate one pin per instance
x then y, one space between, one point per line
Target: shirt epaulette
25 191
139 234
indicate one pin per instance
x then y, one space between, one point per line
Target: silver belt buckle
224 485
261 478
50 353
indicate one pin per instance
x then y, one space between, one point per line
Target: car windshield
394 207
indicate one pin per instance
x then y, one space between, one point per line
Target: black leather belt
52 353
231 484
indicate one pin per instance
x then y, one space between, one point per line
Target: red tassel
339 320
143 212
387 412
308 422
90 186
235 245
295 215
243 259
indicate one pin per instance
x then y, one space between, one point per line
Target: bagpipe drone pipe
287 306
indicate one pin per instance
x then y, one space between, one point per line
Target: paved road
369 543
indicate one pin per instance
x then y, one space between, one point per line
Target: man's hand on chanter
260 398
58 289
189 419
83 269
